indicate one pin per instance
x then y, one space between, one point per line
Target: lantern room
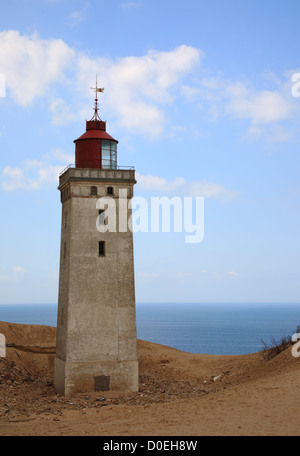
96 148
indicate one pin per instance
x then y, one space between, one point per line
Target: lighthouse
96 348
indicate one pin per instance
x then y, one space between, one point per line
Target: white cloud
261 108
220 275
61 113
211 190
139 87
15 179
3 278
147 277
129 5
48 174
264 109
62 156
276 133
31 65
280 134
149 182
35 173
180 186
233 274
77 16
19 271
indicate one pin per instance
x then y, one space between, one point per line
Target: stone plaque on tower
96 347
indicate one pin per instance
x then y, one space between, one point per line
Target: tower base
72 377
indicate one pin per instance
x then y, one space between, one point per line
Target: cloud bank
139 89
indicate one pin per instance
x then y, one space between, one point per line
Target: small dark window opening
102 219
101 248
110 190
94 191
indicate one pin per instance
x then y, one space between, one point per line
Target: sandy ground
181 394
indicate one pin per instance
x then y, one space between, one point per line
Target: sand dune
181 394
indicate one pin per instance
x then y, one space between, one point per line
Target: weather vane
96 90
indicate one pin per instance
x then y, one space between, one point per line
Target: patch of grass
273 349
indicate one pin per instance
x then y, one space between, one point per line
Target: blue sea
218 329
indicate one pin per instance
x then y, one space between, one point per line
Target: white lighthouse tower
96 322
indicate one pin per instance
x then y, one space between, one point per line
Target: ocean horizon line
213 328
267 303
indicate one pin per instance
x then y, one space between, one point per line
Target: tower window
108 154
94 191
110 190
102 248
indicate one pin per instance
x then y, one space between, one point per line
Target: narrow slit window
94 191
102 248
102 219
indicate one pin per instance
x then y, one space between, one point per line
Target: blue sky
199 96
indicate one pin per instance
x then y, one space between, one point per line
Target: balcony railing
120 173
124 168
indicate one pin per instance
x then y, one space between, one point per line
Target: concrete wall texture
96 321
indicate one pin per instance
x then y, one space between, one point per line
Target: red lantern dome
96 148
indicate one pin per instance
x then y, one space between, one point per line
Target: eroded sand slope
180 393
